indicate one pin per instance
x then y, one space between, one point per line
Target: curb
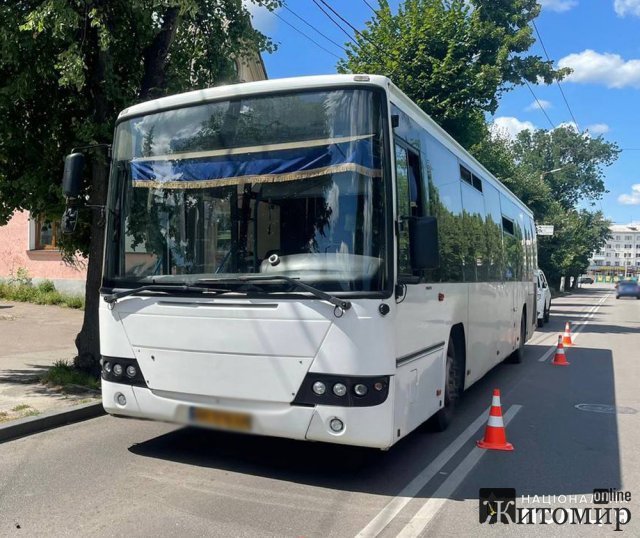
29 425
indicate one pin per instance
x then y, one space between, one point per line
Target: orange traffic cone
560 359
495 436
566 339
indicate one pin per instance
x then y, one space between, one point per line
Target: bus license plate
220 419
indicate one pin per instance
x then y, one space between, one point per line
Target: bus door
420 371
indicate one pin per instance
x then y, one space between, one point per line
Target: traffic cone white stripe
495 401
495 422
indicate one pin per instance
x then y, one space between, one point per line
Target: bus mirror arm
423 243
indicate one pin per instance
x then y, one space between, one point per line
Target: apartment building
620 256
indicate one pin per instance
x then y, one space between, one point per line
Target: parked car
627 288
543 298
585 280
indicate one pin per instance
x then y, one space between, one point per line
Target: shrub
21 277
46 286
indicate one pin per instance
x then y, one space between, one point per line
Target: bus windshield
283 184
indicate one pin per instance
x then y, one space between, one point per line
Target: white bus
311 258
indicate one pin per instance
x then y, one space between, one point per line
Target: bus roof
261 86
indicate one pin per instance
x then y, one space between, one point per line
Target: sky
598 39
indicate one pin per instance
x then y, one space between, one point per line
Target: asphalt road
116 477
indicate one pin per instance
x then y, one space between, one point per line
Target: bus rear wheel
452 390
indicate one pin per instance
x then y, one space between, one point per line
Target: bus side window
408 200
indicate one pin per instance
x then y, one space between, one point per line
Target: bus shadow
559 448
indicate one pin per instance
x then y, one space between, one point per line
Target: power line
539 105
305 35
370 6
335 22
356 31
313 27
564 97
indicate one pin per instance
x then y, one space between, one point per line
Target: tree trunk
88 339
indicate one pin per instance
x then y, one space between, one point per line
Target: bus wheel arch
517 356
455 365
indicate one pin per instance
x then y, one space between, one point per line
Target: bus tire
517 356
452 389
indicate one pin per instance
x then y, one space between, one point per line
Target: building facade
28 244
620 257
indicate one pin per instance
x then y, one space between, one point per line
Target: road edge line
385 516
432 506
22 427
583 322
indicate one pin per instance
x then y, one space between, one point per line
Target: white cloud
624 7
605 68
598 128
633 198
560 5
539 104
510 126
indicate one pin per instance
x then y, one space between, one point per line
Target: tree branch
155 56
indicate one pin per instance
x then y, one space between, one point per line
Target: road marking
393 508
433 505
583 323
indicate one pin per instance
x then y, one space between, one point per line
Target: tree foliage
559 174
67 67
454 58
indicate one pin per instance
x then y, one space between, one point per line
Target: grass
63 374
44 293
19 411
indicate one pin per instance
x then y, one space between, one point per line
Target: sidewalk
32 338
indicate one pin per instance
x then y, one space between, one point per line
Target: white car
543 299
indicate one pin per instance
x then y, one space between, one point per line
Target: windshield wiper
337 302
112 298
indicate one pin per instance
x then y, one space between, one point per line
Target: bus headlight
123 371
339 389
360 389
319 388
342 390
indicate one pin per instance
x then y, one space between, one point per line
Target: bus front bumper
362 426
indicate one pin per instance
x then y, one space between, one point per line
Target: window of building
628 238
617 238
628 246
45 234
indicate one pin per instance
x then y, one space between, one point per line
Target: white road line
431 507
393 508
583 323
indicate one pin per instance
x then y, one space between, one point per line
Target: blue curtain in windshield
262 164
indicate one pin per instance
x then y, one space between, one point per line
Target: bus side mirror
69 220
72 177
424 250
